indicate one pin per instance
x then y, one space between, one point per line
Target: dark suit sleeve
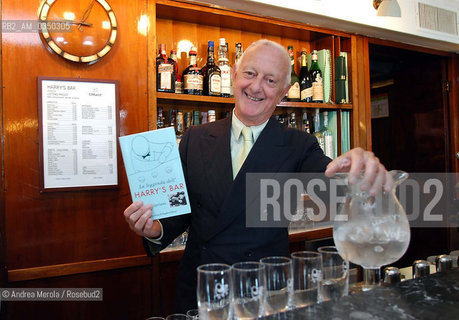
174 226
314 159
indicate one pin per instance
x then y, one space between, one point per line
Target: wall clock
79 31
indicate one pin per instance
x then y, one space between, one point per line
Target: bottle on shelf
328 137
316 79
160 118
165 71
212 74
292 120
188 119
225 67
294 91
178 78
180 128
281 119
305 80
317 133
192 76
172 118
238 52
305 123
196 117
203 117
211 116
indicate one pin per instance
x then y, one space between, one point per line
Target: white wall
355 16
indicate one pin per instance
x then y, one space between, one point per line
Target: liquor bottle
238 52
212 74
305 80
188 119
281 119
192 76
172 118
328 137
211 116
165 71
292 120
196 117
317 133
160 118
178 80
225 67
317 80
180 129
203 117
294 91
305 123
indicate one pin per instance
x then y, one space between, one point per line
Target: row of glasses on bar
248 290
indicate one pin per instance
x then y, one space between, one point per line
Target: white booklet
154 171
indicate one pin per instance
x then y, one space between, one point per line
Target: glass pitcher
371 231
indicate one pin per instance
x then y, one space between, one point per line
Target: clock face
79 31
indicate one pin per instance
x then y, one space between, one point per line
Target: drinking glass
371 231
213 291
278 272
248 289
307 276
193 314
335 274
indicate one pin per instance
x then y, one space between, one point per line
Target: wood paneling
126 295
3 270
361 119
55 234
77 268
66 227
454 112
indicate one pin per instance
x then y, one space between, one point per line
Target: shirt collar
237 125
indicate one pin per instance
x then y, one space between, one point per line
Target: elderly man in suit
211 158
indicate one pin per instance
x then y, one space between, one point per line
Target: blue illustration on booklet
154 171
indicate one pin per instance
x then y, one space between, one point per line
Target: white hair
275 45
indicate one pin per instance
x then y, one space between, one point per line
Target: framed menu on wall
78 131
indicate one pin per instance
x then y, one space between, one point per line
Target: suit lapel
267 155
216 155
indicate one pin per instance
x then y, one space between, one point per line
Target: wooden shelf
195 98
164 97
310 105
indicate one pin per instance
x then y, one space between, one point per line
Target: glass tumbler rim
305 254
214 267
281 260
328 249
239 266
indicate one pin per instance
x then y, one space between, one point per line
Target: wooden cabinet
179 24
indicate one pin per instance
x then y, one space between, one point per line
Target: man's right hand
138 216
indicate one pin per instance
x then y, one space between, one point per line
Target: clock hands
86 14
79 23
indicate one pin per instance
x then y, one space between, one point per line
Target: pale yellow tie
240 157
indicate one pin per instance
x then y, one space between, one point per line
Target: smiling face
259 82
